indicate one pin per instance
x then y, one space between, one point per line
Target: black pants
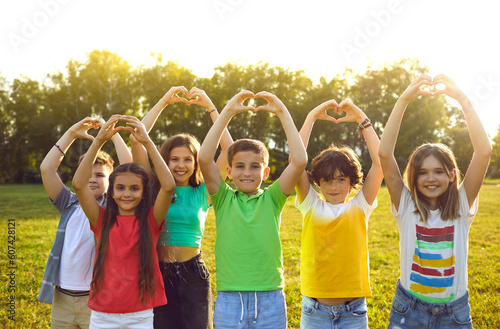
187 286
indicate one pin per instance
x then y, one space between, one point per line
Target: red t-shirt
119 292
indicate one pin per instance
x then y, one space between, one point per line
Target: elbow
77 186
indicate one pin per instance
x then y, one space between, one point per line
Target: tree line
34 114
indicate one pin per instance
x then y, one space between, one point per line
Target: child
434 213
66 281
126 282
334 259
248 252
185 275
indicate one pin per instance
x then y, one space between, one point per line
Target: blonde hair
448 202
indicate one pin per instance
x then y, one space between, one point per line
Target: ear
267 170
228 172
453 174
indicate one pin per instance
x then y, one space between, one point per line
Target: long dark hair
147 283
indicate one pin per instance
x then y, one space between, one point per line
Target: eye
239 166
119 188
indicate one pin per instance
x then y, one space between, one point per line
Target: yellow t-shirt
334 253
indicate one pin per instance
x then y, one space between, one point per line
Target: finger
426 93
424 77
87 136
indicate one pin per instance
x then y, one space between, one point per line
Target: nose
92 179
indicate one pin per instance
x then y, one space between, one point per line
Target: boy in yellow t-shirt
334 255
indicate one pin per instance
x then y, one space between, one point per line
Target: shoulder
312 198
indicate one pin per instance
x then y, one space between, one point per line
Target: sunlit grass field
36 221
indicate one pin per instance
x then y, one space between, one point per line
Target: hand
137 129
235 104
413 90
319 112
108 130
172 96
274 104
199 97
80 129
353 113
451 89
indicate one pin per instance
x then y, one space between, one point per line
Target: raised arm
167 182
48 168
318 113
199 97
209 146
84 172
139 153
390 168
122 151
298 156
480 142
374 177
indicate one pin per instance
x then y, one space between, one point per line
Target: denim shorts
250 309
408 311
318 316
187 287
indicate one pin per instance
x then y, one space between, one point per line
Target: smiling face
248 170
335 190
99 182
433 179
182 165
127 192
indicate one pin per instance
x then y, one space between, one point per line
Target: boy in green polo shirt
248 252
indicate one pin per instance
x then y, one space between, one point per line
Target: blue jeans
250 309
187 287
319 316
408 311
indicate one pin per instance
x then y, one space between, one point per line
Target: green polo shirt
248 253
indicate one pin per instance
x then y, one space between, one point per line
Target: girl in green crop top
186 278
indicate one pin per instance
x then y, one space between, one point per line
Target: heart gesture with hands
320 111
200 97
235 104
353 113
109 129
274 104
81 128
451 89
172 95
137 129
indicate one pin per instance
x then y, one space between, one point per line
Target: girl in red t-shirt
126 282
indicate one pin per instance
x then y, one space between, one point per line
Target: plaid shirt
66 203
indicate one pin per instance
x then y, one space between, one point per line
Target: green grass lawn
36 222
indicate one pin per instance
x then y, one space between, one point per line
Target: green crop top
186 217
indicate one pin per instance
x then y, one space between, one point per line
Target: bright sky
458 38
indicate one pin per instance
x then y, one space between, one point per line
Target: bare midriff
171 254
334 301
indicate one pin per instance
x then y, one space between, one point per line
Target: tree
495 156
